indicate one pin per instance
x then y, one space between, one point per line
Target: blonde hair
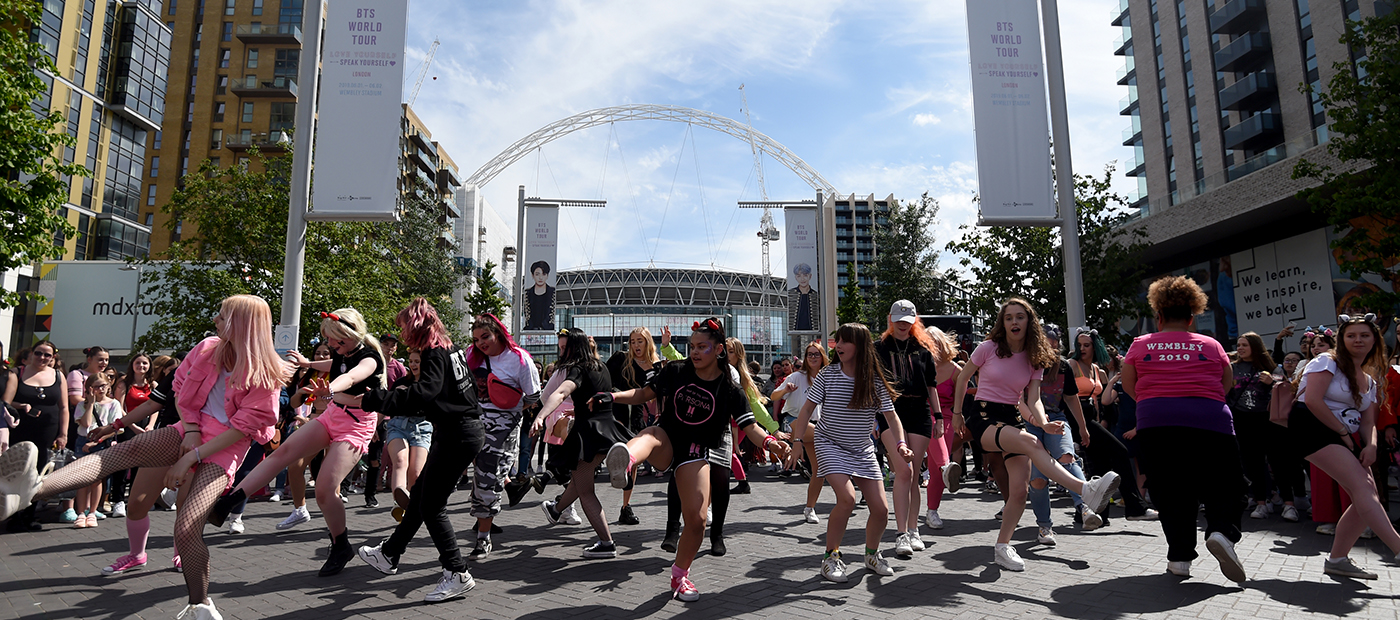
737 357
352 326
629 371
246 344
945 348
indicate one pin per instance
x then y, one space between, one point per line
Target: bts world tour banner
1010 112
541 262
804 304
357 134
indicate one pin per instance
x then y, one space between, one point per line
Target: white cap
903 310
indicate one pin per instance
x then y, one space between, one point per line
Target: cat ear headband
1343 319
709 324
1079 331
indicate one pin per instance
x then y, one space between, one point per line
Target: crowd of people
1174 426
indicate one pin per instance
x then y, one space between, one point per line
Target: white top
214 405
102 415
516 369
1338 395
794 400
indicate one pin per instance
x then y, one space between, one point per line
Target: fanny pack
498 392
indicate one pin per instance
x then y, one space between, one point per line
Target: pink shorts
230 458
341 424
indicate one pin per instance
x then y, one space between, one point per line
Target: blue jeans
1057 446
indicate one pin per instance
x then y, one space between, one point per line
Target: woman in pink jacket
226 392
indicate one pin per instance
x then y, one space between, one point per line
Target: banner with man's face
804 310
540 261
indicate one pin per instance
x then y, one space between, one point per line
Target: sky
872 95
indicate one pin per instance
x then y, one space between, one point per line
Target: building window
194 61
175 232
150 219
223 58
155 166
198 34
156 145
283 116
151 197
228 31
189 112
286 63
184 165
170 6
219 112
247 111
214 161
252 58
216 139
290 12
228 7
222 88
257 7
187 140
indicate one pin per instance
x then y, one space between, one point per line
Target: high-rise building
109 87
1218 120
483 236
856 218
232 86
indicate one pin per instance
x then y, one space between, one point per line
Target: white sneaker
299 516
1290 514
1180 569
235 524
1045 536
450 586
1099 492
916 541
1007 558
810 516
202 611
902 548
275 497
119 510
19 468
833 569
1148 515
374 556
1224 552
618 461
709 515
570 516
877 564
932 520
167 497
1092 520
952 477
1261 511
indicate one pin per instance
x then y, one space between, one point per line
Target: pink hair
490 322
246 344
422 329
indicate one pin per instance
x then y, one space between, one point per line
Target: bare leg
841 513
653 446
144 491
814 486
581 486
879 509
1365 509
340 459
693 485
296 480
416 458
1020 442
307 441
903 480
1018 471
398 464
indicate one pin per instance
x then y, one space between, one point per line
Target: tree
33 183
241 216
1028 262
853 308
485 297
906 263
1362 201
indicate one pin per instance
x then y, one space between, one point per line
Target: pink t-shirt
1002 379
1178 365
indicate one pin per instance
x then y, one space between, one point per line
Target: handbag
273 443
560 429
498 392
1281 403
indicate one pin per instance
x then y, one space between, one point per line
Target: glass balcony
1261 130
1237 17
1118 13
1243 52
275 34
281 86
1251 92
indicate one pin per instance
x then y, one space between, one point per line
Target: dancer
906 355
944 454
1058 392
793 393
698 398
1012 361
593 432
630 370
226 392
409 438
296 470
343 431
1179 380
445 394
1334 427
853 391
506 383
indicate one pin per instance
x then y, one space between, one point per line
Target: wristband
197 457
796 440
766 440
902 443
118 424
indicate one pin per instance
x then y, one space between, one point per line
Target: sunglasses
42 356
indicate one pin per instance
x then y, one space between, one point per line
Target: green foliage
1363 115
241 219
906 264
32 187
853 307
485 297
1028 262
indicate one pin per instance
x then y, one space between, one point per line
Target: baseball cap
389 336
903 310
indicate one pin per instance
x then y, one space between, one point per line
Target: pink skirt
230 458
341 424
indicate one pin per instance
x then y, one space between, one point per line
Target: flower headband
1308 332
709 324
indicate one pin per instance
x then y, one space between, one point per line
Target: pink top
1178 365
945 394
1002 379
253 411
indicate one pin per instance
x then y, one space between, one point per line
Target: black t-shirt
911 372
343 364
695 411
617 365
587 382
164 393
445 392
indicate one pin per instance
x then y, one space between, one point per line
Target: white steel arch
648 112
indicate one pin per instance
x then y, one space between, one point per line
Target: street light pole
294 263
1064 169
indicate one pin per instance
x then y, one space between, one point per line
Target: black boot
741 489
340 554
627 517
371 486
717 547
673 536
224 506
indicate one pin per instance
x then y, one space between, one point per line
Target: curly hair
1039 354
1176 298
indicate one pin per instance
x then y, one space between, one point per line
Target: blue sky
873 95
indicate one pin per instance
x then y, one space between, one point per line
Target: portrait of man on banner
803 303
539 298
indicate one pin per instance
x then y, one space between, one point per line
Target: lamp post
135 315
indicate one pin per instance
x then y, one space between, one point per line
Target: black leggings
1265 450
1106 452
719 499
1210 475
453 449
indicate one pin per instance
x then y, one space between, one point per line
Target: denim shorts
416 432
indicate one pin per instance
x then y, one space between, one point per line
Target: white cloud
924 120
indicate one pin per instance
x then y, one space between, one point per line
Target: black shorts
1307 434
915 417
988 415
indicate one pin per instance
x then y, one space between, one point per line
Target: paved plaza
770 571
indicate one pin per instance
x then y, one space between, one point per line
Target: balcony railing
270 33
1256 131
1237 17
280 86
1243 52
1248 92
266 142
1117 13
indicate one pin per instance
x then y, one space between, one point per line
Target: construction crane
766 230
422 73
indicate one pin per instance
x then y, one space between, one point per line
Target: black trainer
673 537
224 507
339 556
627 517
371 501
516 490
717 547
741 489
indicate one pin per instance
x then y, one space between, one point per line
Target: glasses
101 386
813 354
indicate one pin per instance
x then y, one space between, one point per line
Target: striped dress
843 440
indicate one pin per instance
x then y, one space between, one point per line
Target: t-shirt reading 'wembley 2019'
695 411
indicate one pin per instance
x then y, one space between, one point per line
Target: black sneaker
550 514
673 537
741 489
627 517
601 549
483 549
539 481
341 553
516 490
223 507
371 501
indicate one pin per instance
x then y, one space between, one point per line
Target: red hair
917 331
422 329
